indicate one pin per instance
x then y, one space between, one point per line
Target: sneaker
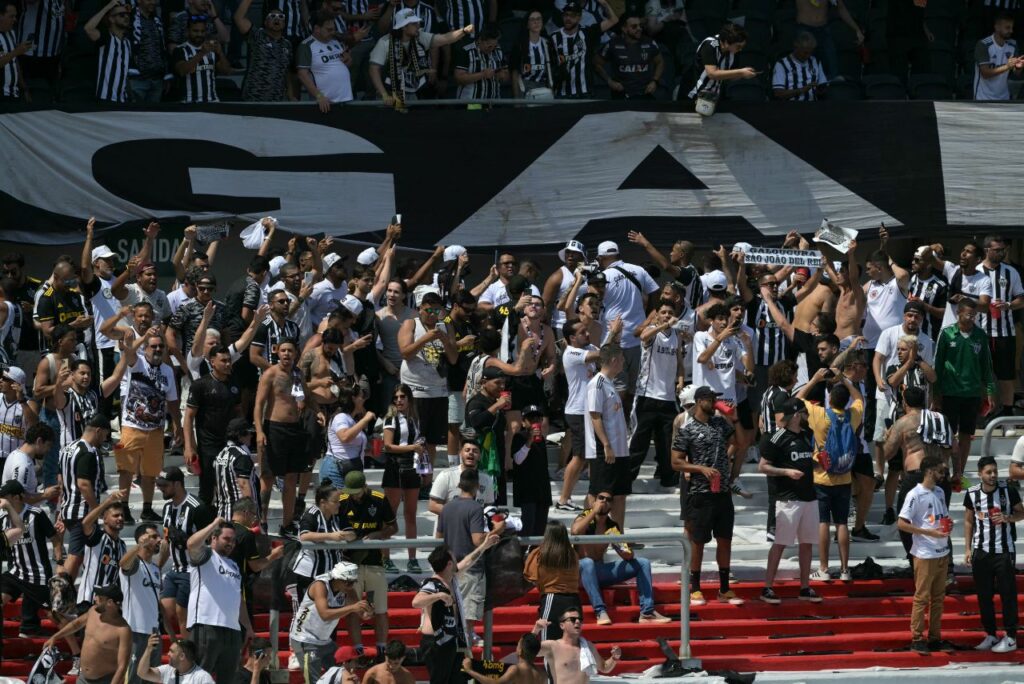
864 534
768 595
654 618
820 575
879 482
389 567
697 599
149 515
29 633
568 506
935 645
740 491
603 619
989 641
413 567
76 666
890 517
730 597
808 594
919 646
845 576
1005 646
128 519
478 641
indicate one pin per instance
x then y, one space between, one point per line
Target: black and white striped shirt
536 62
464 12
112 72
792 74
79 460
406 432
232 464
200 85
472 60
935 429
187 518
10 81
769 343
270 334
1006 286
771 400
427 15
12 426
293 24
30 559
709 52
313 562
103 554
933 291
356 7
573 55
78 409
988 536
44 20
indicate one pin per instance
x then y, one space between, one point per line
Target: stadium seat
850 64
878 62
884 87
965 85
755 59
750 90
929 87
942 60
844 90
228 90
79 92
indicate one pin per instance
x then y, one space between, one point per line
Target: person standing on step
998 319
991 511
925 516
554 568
607 445
141 584
579 363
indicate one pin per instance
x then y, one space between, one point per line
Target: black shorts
709 515
575 429
616 477
527 390
316 444
433 414
444 663
286 447
74 537
962 413
744 415
1004 358
399 478
863 465
15 588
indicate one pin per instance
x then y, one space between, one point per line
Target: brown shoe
603 619
654 618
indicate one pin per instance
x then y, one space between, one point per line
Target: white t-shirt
215 591
176 298
196 675
988 51
577 374
145 391
446 486
195 364
157 299
1018 452
345 450
659 364
141 589
19 466
104 306
623 298
330 74
602 398
497 295
325 299
719 372
973 286
887 348
925 508
885 302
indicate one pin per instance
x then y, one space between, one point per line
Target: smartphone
307 278
396 220
829 374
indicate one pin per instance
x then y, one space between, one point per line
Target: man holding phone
198 61
798 77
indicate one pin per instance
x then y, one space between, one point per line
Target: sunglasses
278 15
280 301
436 312
206 288
574 620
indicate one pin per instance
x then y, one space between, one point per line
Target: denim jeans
51 461
335 469
593 576
148 90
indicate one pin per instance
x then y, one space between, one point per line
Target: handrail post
986 436
488 633
685 655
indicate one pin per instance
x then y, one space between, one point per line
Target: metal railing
1002 422
640 536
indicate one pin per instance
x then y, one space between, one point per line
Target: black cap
705 392
12 488
171 474
533 410
573 7
791 407
110 591
917 306
491 373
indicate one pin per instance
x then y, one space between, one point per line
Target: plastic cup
946 524
994 311
535 429
716 483
507 396
825 460
377 446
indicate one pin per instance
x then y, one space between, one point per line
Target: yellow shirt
819 421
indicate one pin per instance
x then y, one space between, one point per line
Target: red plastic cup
195 467
824 460
716 483
946 524
994 511
377 446
507 396
725 409
994 311
535 430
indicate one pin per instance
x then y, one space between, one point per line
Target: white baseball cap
345 571
102 252
741 247
572 246
368 257
353 304
331 259
716 281
919 252
686 396
406 16
607 248
454 251
275 265
15 374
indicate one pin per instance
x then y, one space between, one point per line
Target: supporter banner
512 176
810 258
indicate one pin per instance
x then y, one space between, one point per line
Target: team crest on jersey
107 294
976 346
372 510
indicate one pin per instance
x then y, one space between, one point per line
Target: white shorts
882 408
796 522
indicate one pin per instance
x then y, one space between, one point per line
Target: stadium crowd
334 51
855 378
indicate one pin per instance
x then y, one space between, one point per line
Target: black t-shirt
457 372
444 619
370 514
246 550
216 403
59 307
244 676
531 482
794 450
27 293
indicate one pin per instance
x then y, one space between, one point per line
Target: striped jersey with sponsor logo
987 535
103 554
30 559
233 464
709 52
180 522
201 84
933 291
1005 286
769 344
112 72
43 21
79 460
10 75
472 60
77 411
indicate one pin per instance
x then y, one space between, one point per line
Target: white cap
331 259
741 247
368 257
102 252
453 252
686 395
607 248
406 16
345 571
275 265
919 252
15 374
572 246
353 304
716 281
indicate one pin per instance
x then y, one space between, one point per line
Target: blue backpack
840 443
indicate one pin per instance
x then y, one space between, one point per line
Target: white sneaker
293 663
820 575
76 666
845 576
1010 432
987 644
1005 646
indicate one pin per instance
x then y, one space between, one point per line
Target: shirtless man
564 656
522 672
529 388
280 432
107 644
849 307
812 16
391 671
